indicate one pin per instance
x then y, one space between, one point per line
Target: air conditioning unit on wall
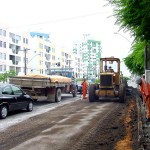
147 75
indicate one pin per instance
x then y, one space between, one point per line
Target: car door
8 97
22 100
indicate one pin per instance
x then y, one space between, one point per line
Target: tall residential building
90 51
12 56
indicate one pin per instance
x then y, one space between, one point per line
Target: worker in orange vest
145 91
84 88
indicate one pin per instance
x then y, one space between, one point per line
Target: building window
4 44
4 56
40 46
0 31
24 40
0 43
4 32
1 68
4 67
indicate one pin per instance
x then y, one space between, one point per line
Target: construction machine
112 83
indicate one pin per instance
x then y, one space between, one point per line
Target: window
40 45
16 90
0 43
7 90
4 67
24 40
4 32
1 68
0 31
4 44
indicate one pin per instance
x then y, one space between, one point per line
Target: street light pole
123 37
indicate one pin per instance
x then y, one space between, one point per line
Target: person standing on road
84 88
145 91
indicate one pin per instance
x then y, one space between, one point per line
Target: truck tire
58 95
92 96
122 93
3 112
96 87
124 81
74 91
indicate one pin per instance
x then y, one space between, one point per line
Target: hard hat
138 80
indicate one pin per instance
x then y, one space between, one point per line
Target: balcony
47 57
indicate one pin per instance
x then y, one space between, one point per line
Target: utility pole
25 61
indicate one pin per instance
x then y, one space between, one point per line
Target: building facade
42 52
90 52
12 48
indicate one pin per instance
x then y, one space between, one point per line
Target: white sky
67 21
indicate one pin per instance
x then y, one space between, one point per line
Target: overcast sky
67 21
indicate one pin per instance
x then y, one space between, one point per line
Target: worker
145 91
84 88
110 69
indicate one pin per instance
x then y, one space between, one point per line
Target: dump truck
45 87
112 83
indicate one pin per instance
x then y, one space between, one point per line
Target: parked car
13 98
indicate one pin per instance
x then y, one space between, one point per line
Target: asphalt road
40 107
72 124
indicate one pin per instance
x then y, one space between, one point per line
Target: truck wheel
122 93
74 92
92 96
124 81
3 112
58 95
96 87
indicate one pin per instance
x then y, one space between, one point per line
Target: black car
13 98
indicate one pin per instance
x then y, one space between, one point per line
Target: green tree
134 16
135 60
4 76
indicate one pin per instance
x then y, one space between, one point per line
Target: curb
140 123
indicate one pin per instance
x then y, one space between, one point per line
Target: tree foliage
4 76
134 16
135 60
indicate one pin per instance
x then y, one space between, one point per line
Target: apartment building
90 52
26 52
3 50
42 52
12 51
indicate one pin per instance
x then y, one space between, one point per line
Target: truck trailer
45 87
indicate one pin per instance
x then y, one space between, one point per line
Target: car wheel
3 112
30 106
